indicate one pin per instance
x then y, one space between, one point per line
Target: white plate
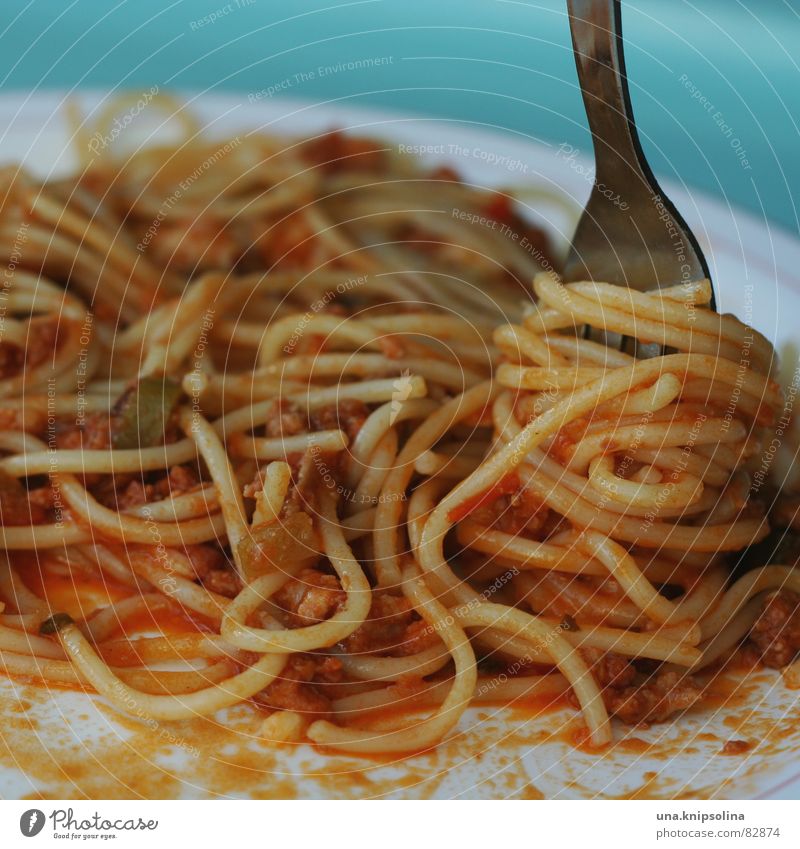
72 745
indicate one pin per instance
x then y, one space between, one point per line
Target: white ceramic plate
67 744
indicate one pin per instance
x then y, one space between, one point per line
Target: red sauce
77 594
505 486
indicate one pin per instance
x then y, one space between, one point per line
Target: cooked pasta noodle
286 415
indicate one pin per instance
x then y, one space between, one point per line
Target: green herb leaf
55 623
143 411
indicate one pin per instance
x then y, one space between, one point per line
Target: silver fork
629 233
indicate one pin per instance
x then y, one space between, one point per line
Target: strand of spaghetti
407 697
21 621
156 568
148 680
380 462
645 532
110 524
730 635
517 342
243 418
509 457
622 567
390 501
359 524
169 342
112 564
21 642
549 639
136 652
558 594
315 367
529 554
750 584
654 435
179 508
322 635
700 598
576 486
422 501
270 498
198 703
14 591
376 425
366 391
706 470
679 648
100 461
277 448
103 622
229 495
365 668
431 463
429 731
283 335
588 351
540 379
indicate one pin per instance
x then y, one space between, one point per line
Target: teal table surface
715 83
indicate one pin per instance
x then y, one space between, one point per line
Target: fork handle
596 28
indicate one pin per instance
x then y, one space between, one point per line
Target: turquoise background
504 63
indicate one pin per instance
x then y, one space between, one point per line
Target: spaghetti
283 422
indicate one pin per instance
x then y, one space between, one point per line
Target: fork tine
630 233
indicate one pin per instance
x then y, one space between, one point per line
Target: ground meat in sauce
736 747
285 419
12 360
304 469
298 688
776 633
19 418
392 627
311 597
335 151
348 415
125 492
213 570
305 473
42 343
195 244
511 514
638 699
15 506
95 432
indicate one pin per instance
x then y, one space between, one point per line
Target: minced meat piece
285 419
638 699
391 627
41 343
655 700
311 597
348 415
294 689
776 632
736 747
609 669
95 432
15 506
213 570
124 492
